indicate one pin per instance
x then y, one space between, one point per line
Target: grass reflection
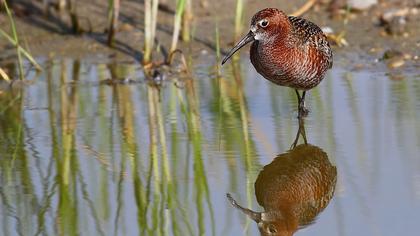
232 110
79 156
67 217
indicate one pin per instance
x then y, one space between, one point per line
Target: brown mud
384 37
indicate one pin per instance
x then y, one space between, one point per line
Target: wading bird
288 51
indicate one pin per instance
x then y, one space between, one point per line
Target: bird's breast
285 65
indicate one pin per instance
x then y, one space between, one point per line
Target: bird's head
271 223
265 26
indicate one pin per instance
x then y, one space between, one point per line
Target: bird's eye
264 23
272 229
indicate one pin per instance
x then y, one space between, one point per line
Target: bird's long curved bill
256 216
244 41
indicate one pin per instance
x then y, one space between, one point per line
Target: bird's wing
304 29
309 32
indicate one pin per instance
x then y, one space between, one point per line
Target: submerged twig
168 61
171 58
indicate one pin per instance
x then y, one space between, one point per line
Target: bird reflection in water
293 189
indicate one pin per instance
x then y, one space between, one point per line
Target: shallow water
81 157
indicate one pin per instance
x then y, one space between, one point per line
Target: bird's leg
299 104
302 101
301 132
298 95
302 111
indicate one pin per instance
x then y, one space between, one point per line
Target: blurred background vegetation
117 119
149 31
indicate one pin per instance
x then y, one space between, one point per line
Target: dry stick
71 8
304 8
4 75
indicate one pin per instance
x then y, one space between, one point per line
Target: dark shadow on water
293 189
34 15
118 45
55 22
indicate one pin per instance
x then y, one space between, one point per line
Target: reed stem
177 23
239 14
15 38
150 21
187 17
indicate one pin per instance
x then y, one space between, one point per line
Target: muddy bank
368 35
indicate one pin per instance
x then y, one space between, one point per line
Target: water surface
80 157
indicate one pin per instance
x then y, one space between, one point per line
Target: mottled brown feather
293 52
